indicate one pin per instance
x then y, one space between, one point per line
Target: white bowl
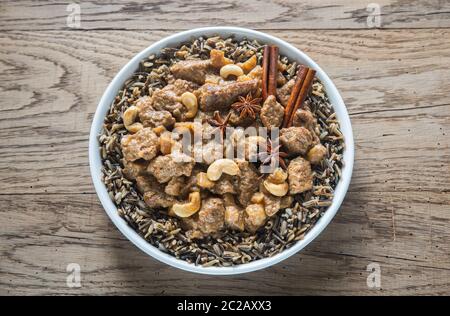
174 40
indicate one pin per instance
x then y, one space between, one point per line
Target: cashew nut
129 117
249 64
220 166
276 183
228 70
218 58
189 208
278 176
203 181
189 100
276 189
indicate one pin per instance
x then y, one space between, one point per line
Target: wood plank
41 234
395 214
52 82
177 14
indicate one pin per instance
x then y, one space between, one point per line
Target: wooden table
394 79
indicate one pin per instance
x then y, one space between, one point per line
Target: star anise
272 154
247 106
219 122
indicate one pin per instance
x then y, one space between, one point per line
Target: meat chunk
154 196
272 204
297 140
164 168
214 79
210 219
147 183
284 92
224 185
210 147
182 186
144 104
133 169
255 217
254 145
272 113
234 215
243 147
158 199
300 177
236 119
181 86
211 215
208 131
192 70
165 99
286 201
142 145
235 218
209 152
153 118
175 186
304 118
191 183
220 97
248 181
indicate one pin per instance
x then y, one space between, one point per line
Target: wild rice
281 231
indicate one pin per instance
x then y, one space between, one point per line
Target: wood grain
394 83
272 14
41 238
45 126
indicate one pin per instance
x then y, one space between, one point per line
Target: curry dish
201 198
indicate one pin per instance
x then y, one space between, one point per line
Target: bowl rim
177 38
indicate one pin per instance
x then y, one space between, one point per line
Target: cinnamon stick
301 74
265 67
307 83
273 70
